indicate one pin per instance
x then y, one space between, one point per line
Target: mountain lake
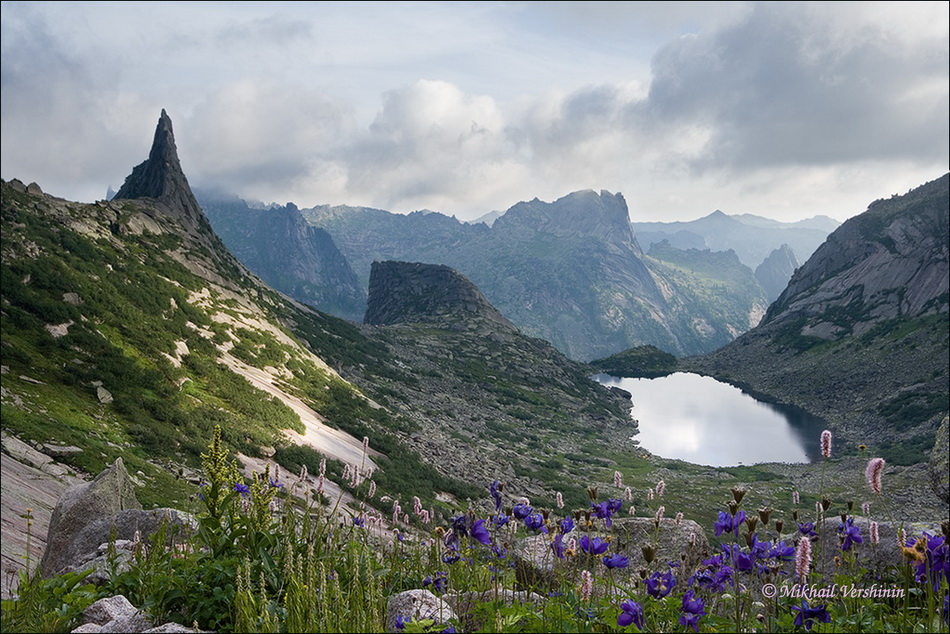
701 420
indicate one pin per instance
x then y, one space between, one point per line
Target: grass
266 560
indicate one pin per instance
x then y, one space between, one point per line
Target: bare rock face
404 292
775 271
940 463
107 495
416 605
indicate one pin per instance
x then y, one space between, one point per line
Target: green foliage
642 361
48 605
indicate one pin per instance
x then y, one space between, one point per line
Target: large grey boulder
417 605
117 614
110 493
940 463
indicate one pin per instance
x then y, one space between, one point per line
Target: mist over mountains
536 263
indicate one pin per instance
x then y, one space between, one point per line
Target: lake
701 420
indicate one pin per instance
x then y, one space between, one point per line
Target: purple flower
632 614
851 534
242 488
275 484
521 511
460 525
500 520
616 561
557 545
729 523
401 622
659 585
693 609
495 490
480 533
936 563
439 582
567 525
595 546
807 529
807 616
535 522
358 521
451 557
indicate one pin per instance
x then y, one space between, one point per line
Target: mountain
536 264
129 330
776 270
860 335
753 238
317 274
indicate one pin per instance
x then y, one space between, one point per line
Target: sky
782 109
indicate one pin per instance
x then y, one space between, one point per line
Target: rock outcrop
110 493
404 292
775 271
416 605
939 467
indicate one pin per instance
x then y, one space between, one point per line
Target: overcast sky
781 109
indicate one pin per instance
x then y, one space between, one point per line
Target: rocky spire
161 177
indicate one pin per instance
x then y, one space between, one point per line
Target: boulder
117 614
110 493
940 463
417 605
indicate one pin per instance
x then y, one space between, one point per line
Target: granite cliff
860 335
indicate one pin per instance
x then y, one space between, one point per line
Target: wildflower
372 489
866 508
535 522
586 585
439 582
557 545
480 533
628 495
242 488
401 622
825 446
875 534
560 500
679 518
795 497
659 585
693 609
873 474
616 561
566 525
595 546
659 514
803 558
618 479
649 552
660 488
500 520
274 484
850 533
649 494
451 557
495 490
521 510
729 523
631 614
932 562
807 616
807 529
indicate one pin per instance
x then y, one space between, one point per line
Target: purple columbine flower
480 533
500 519
660 585
460 525
729 523
595 546
631 614
535 522
807 616
936 564
521 511
401 622
851 533
616 561
693 609
242 488
275 484
439 582
557 545
567 525
495 490
807 529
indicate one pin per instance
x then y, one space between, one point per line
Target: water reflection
700 420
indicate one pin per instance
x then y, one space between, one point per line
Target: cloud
786 86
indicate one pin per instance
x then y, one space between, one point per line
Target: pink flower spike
873 473
826 444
